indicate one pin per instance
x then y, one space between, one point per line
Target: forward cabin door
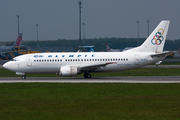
29 62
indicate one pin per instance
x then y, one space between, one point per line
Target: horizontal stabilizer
163 54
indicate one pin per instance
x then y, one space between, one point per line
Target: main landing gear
23 77
87 75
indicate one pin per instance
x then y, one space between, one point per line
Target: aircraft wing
94 66
163 54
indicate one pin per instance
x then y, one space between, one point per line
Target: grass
135 72
97 101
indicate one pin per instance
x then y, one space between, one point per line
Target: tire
87 75
23 77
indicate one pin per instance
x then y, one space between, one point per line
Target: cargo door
136 59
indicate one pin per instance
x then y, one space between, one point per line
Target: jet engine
69 71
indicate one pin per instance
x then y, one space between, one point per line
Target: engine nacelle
69 71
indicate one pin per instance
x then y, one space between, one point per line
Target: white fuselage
52 62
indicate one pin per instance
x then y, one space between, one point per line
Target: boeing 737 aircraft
74 63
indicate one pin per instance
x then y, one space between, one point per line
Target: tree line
99 43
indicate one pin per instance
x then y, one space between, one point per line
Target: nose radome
5 65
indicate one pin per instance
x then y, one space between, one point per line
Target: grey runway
133 79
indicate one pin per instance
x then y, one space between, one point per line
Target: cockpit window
15 60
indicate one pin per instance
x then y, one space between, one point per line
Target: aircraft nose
6 65
10 66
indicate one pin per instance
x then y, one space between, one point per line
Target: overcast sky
59 19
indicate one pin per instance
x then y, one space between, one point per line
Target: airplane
74 63
108 49
112 50
18 42
89 48
4 50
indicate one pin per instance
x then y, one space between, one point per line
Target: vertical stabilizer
107 47
156 40
18 41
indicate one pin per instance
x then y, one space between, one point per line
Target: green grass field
105 101
92 101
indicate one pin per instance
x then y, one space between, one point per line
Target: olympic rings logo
158 38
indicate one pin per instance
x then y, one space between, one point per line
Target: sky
59 19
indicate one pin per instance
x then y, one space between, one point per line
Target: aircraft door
136 59
29 62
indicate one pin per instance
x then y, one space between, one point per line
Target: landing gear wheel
23 77
87 75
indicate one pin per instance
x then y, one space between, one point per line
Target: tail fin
155 42
18 41
107 47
